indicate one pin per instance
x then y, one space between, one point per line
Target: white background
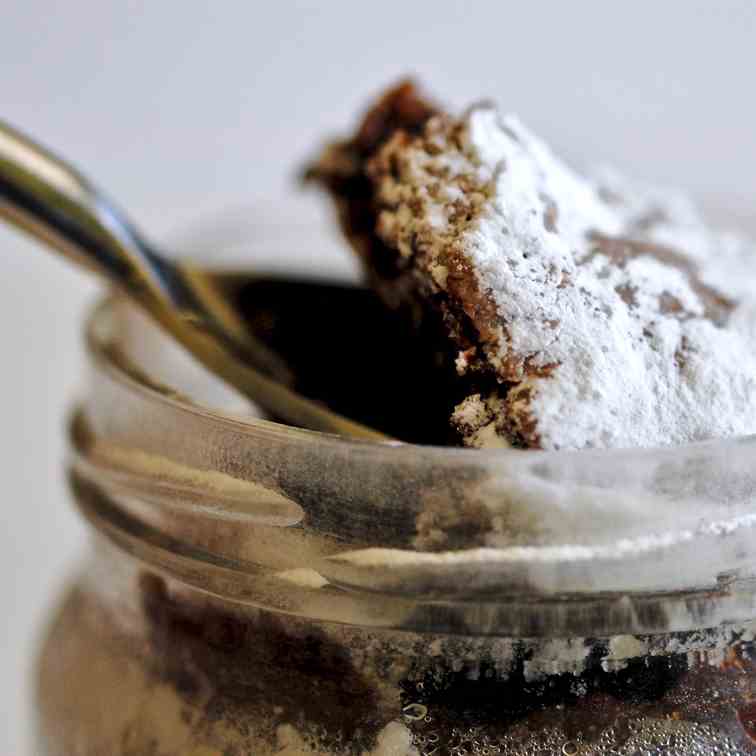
182 109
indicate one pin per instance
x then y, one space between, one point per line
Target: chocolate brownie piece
577 311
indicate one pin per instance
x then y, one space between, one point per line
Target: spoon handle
52 201
46 197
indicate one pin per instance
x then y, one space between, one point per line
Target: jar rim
512 542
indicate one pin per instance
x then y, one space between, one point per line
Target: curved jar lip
184 476
182 472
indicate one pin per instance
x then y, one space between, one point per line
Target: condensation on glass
256 589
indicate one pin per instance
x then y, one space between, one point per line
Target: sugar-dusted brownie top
578 311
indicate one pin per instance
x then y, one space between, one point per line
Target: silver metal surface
49 199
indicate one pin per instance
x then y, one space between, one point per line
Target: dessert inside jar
556 554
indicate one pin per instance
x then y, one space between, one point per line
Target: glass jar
254 588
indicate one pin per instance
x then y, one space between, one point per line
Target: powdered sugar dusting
609 313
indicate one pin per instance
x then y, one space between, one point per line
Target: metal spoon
44 196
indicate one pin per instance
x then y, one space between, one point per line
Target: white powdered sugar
609 313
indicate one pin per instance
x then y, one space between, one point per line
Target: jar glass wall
256 588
